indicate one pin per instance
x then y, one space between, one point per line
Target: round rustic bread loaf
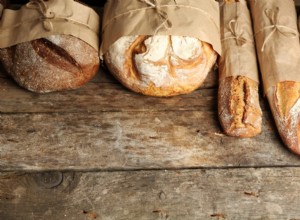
160 65
58 62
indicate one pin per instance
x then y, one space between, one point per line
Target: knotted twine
49 18
46 15
238 49
161 13
272 15
236 33
277 43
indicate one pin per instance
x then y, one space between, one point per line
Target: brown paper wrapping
38 19
277 40
193 18
238 48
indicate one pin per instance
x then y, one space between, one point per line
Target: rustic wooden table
103 152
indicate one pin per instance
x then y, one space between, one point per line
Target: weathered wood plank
103 93
132 140
269 194
97 97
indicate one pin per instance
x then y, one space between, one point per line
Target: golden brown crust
238 106
130 77
284 100
53 64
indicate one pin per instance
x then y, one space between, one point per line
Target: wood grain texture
269 194
98 97
103 126
132 140
153 142
102 94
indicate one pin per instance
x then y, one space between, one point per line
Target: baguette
54 63
238 106
238 99
284 100
279 58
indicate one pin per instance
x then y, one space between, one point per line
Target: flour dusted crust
160 65
279 61
238 106
284 100
238 99
58 62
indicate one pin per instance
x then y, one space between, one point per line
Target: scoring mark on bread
170 59
55 55
138 47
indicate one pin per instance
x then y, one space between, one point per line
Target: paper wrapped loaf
51 45
238 102
161 49
278 47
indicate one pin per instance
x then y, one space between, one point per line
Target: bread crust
279 61
173 83
238 98
238 107
55 63
284 100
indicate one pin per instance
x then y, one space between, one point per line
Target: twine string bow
42 8
166 23
286 31
236 33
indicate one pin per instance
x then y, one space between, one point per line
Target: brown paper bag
38 19
238 48
193 18
277 40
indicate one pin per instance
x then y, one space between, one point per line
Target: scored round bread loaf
160 65
54 63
